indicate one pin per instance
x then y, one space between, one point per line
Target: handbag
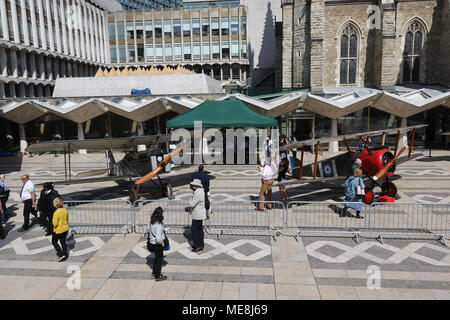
166 246
360 191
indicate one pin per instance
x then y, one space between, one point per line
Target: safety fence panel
241 217
102 216
176 214
418 219
324 217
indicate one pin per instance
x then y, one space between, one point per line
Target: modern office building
149 4
42 40
210 40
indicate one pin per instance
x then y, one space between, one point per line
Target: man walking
267 176
28 197
198 214
4 195
204 178
45 206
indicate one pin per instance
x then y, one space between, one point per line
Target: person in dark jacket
45 206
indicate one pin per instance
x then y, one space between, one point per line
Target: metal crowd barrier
176 215
318 218
410 220
241 217
381 220
100 216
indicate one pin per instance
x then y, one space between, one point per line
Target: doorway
301 127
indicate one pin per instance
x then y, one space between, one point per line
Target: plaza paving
235 266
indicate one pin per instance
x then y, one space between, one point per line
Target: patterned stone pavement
234 267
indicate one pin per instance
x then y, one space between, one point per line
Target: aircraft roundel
327 168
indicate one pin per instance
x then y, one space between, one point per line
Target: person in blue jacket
352 200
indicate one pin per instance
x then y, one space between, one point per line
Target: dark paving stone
330 251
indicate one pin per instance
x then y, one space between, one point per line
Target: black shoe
22 229
197 249
359 217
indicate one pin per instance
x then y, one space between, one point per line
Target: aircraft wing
90 180
309 142
96 144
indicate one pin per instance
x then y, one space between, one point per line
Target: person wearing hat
45 206
198 214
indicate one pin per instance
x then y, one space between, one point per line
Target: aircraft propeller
383 171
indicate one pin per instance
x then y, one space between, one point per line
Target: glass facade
202 35
149 4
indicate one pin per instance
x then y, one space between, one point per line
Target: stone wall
444 55
336 18
301 55
311 41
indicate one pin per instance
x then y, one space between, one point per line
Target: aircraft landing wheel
133 196
389 189
368 197
167 189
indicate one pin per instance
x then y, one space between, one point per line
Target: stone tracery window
349 55
412 53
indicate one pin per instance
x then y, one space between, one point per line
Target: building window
149 30
149 52
196 27
186 28
177 51
159 52
215 26
139 30
158 29
176 28
168 53
197 51
225 27
349 55
205 27
234 26
167 29
414 41
187 51
113 54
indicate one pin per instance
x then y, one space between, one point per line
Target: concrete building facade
43 40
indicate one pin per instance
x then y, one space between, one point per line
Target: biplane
378 162
142 164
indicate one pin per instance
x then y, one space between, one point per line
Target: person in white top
267 176
28 197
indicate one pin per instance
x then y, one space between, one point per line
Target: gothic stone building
363 43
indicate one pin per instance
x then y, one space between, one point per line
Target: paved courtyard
243 266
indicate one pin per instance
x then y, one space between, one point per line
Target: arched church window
349 55
412 53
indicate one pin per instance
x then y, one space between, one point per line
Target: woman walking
351 196
284 166
60 228
156 239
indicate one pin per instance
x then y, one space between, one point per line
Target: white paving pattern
20 246
185 249
400 254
